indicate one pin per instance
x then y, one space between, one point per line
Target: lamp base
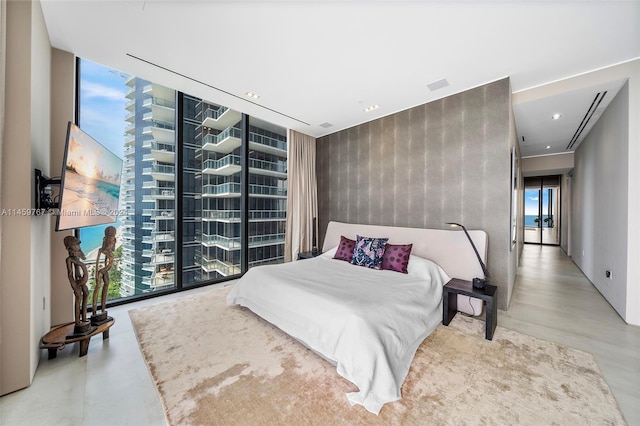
478 282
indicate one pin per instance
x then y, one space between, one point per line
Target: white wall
600 205
547 165
565 213
40 137
25 264
633 229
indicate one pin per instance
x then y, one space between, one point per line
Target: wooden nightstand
450 302
307 255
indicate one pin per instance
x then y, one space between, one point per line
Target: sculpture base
100 318
81 330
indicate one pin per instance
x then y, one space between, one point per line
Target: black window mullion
178 205
244 195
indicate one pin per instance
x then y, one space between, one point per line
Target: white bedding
369 322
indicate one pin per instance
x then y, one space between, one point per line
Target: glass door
541 210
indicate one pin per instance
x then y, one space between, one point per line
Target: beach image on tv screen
90 184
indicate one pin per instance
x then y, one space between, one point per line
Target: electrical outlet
608 274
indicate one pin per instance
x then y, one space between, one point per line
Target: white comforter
369 322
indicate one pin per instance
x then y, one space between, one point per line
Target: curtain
302 194
3 57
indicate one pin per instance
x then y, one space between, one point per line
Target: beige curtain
302 194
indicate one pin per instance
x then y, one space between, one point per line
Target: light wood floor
552 300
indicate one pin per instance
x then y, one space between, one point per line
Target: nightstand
450 302
307 254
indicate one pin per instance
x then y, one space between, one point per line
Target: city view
175 144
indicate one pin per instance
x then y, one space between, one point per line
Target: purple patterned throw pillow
345 249
369 251
396 257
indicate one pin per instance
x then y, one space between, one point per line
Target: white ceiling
315 62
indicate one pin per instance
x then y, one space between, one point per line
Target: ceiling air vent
438 84
587 120
326 125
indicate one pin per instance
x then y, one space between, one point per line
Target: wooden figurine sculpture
102 276
77 273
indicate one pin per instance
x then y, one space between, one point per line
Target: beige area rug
214 364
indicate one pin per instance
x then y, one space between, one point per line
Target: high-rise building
209 178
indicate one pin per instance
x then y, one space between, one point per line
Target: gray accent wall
444 161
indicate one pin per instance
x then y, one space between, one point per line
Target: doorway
542 210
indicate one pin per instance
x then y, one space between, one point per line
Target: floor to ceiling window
181 184
542 210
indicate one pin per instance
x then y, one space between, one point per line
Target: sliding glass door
542 210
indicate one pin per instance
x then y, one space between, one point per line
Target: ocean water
529 220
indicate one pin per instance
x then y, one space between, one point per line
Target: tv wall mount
45 201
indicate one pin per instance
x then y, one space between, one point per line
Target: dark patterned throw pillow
345 249
396 257
369 251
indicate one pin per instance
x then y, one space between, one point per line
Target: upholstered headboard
448 248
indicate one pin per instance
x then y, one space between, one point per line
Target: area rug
215 364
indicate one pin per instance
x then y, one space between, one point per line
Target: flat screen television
89 182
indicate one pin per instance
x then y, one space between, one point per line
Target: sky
531 198
102 105
102 116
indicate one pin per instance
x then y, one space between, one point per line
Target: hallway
553 300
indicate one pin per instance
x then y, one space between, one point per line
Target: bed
367 322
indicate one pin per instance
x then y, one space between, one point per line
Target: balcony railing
255 163
233 243
230 132
159 102
237 133
219 240
223 188
162 192
227 160
159 168
235 214
162 278
226 269
159 213
215 113
159 125
267 190
268 141
163 258
268 165
234 188
157 146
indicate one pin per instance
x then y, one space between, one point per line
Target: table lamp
477 282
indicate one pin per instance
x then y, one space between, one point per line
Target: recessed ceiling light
556 116
547 147
371 108
252 95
